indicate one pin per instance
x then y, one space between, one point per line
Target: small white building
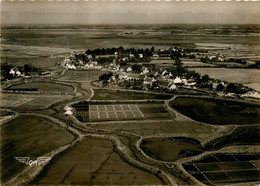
184 81
12 71
89 56
141 55
149 81
18 73
156 74
125 58
173 87
71 67
177 80
165 73
129 69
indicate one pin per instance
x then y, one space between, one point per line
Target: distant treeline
120 50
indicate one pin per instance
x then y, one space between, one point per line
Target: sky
129 12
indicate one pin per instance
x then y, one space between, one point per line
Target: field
247 77
99 165
81 76
103 94
218 112
170 149
185 63
240 136
119 112
28 136
196 64
30 101
42 87
226 169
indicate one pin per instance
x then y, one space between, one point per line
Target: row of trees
120 51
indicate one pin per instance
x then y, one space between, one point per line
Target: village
131 69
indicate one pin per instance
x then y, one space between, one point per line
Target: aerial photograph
130 92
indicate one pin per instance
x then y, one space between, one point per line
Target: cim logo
28 161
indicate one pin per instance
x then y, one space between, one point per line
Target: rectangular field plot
231 169
124 111
115 112
81 76
31 101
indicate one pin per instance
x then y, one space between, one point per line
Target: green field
103 94
220 112
28 136
93 162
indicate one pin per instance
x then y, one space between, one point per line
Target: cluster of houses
70 63
15 72
161 79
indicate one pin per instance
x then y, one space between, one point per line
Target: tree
232 88
220 87
5 69
106 76
205 78
28 69
137 68
152 49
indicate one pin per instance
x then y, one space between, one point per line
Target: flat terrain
99 165
42 87
247 77
103 94
226 169
30 101
81 76
218 112
120 112
28 136
185 63
170 149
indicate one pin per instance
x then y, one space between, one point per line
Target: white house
125 58
71 66
131 55
173 87
89 56
18 73
165 73
141 55
184 81
129 69
156 74
12 72
177 80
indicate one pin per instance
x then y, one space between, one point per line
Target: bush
106 76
